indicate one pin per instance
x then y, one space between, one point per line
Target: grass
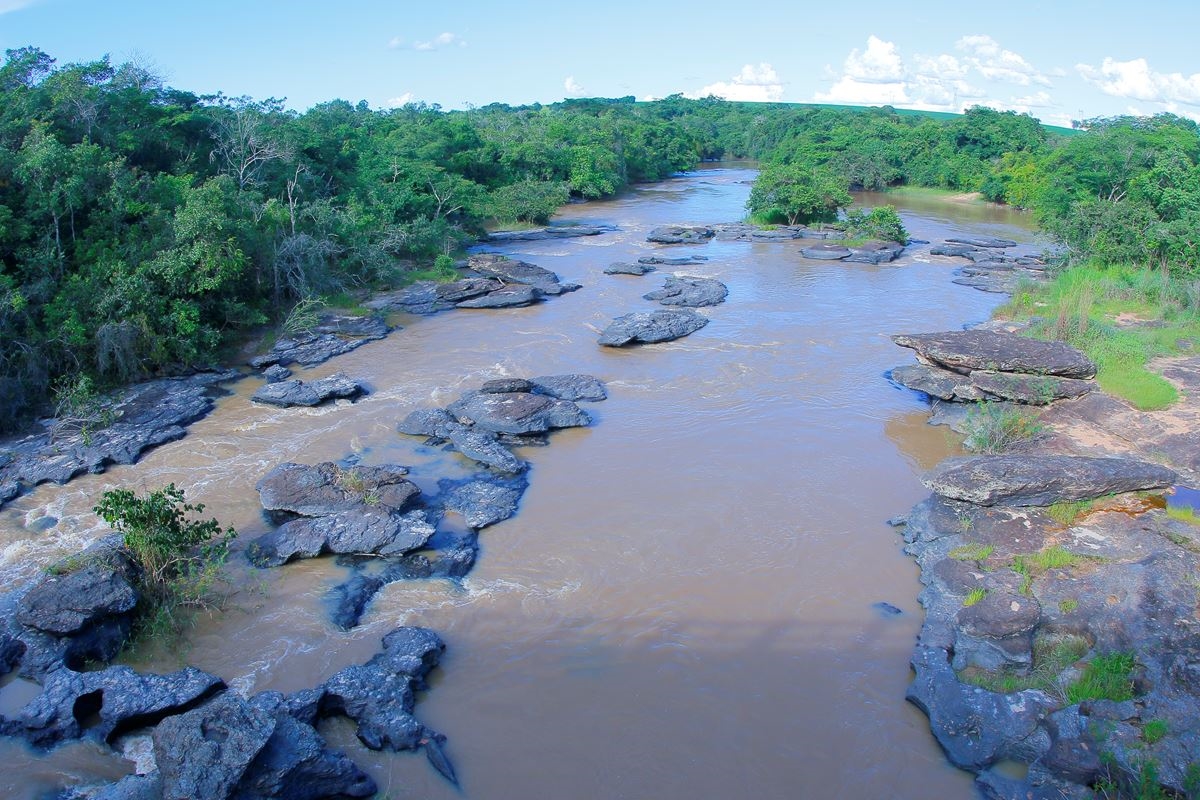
1106 677
1154 730
1068 605
1082 305
1183 514
1066 512
972 552
1052 653
974 596
1031 565
995 427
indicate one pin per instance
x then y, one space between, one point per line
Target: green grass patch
974 596
1030 565
1106 677
1052 653
972 552
1155 730
1068 605
995 427
1066 512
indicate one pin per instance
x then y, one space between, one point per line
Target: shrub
994 427
879 223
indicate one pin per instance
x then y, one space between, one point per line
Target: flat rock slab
671 261
430 297
572 387
825 252
354 531
689 292
482 502
511 271
517 412
875 252
506 297
549 232
981 385
648 327
144 416
483 447
205 752
982 241
623 268
937 382
964 351
1042 480
289 393
681 234
64 605
332 336
326 488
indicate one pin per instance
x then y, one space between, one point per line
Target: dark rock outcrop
66 605
965 351
482 502
690 292
623 268
1042 480
681 234
332 336
874 252
353 531
671 261
977 385
505 297
825 252
549 232
288 393
326 488
517 412
982 241
511 271
648 327
572 387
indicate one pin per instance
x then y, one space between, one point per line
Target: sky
1057 60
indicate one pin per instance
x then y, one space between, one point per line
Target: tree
797 193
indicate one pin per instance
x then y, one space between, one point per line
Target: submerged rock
1042 480
648 327
685 290
825 252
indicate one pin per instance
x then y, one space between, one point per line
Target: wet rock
975 727
11 650
995 785
506 297
106 703
517 412
982 241
825 252
276 373
143 417
1041 480
741 232
333 335
484 447
511 271
326 488
570 387
997 632
131 787
505 385
65 605
684 290
289 393
353 531
937 382
965 351
427 422
622 268
430 297
549 232
671 261
482 502
886 609
651 326
205 752
681 234
875 252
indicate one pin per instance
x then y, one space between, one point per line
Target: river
683 607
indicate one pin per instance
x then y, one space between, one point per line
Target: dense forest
143 227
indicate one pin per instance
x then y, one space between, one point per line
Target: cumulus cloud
1137 81
442 40
572 86
866 93
992 61
397 102
759 84
879 63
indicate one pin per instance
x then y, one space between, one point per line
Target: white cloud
879 63
1136 80
995 63
758 84
856 92
436 43
397 102
572 86
14 5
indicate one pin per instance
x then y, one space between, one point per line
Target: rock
506 297
622 268
484 447
510 271
651 326
64 605
684 290
982 241
965 351
296 764
288 393
354 531
570 387
741 232
505 385
1037 390
482 502
430 297
1042 480
549 232
875 252
997 632
332 336
937 382
120 698
886 609
131 787
681 234
144 416
825 252
276 373
976 728
379 695
427 422
671 261
11 650
326 488
953 250
205 752
517 412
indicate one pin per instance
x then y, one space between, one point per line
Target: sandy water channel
683 606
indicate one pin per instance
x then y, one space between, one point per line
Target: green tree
797 194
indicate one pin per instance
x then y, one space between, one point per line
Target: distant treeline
143 227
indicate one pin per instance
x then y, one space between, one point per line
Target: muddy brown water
683 606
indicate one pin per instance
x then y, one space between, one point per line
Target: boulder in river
681 234
333 335
964 351
572 387
69 604
549 232
874 252
289 393
482 502
327 488
354 531
978 385
509 271
517 412
690 292
982 241
648 327
671 261
513 296
1042 480
624 268
825 252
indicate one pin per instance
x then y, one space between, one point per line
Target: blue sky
1057 60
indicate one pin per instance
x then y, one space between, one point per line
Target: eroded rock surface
288 393
648 327
690 292
1042 480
